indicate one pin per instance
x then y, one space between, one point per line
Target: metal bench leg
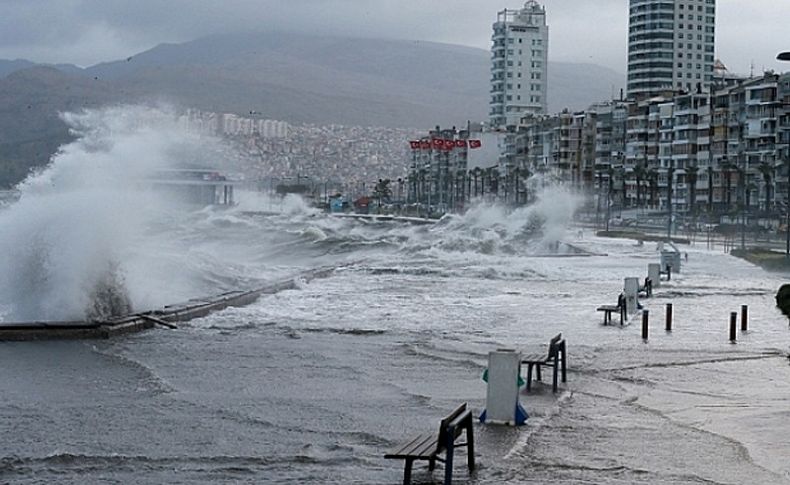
529 376
470 448
537 371
448 462
556 373
564 363
407 472
431 464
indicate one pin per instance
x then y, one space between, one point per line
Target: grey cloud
90 31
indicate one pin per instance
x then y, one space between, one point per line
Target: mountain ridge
290 77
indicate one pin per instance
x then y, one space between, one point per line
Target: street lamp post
785 56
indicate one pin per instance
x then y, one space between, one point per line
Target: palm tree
382 191
710 191
691 179
639 173
460 188
477 173
494 181
652 177
610 173
727 167
421 179
469 185
621 174
522 172
750 187
767 171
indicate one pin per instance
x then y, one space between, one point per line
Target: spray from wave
490 228
74 245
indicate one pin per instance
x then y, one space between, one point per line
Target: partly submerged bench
428 446
555 355
608 310
647 289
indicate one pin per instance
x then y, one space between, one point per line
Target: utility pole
609 196
743 207
785 56
670 176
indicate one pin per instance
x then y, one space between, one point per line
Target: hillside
30 127
296 78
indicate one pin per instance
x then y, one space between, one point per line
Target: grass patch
640 236
767 259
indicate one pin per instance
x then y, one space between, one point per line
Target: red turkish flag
415 145
438 143
425 145
475 144
460 143
449 144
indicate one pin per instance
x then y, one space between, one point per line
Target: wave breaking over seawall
75 246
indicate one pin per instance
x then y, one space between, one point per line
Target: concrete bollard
669 317
503 376
733 326
645 319
631 293
654 273
744 318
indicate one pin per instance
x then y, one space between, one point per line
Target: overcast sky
86 32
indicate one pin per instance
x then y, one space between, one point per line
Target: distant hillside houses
231 124
270 152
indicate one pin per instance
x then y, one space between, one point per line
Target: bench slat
535 358
416 447
608 308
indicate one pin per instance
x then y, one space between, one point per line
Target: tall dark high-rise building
671 46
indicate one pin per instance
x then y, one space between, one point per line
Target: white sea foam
81 222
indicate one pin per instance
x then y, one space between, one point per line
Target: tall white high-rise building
671 46
519 64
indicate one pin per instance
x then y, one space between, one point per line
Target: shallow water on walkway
313 385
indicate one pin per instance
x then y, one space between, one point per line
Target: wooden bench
428 446
555 355
608 310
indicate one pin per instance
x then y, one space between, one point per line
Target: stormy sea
314 384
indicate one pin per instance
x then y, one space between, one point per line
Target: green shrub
783 299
